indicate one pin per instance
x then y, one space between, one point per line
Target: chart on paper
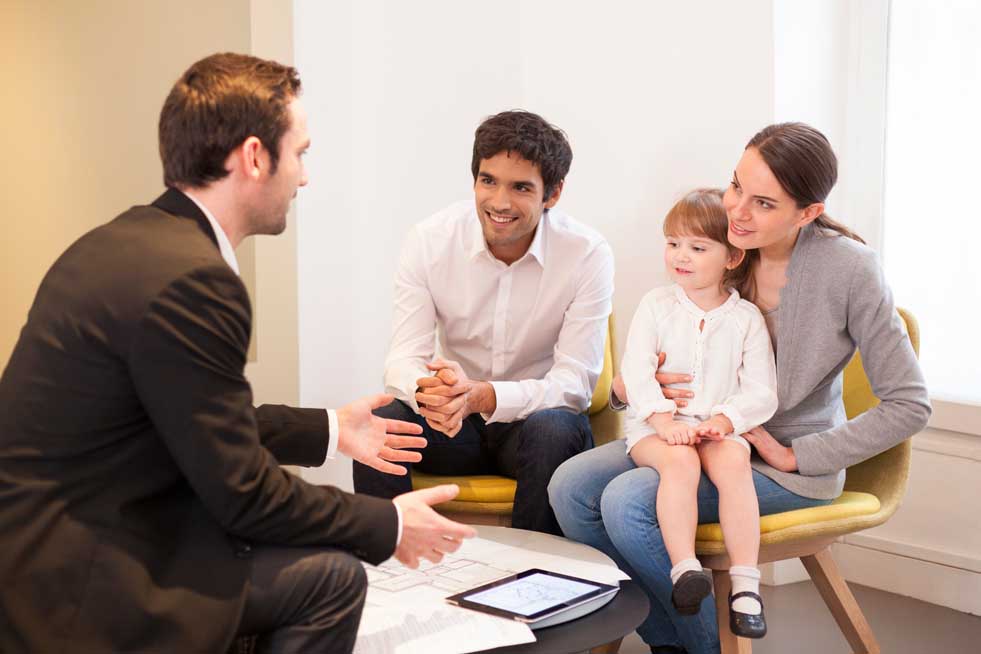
450 576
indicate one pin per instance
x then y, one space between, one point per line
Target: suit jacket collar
177 204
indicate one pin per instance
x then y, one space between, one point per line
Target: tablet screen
532 594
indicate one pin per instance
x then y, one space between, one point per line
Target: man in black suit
142 503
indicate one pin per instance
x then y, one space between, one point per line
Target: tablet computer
532 595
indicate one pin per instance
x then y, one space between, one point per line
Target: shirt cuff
615 403
402 384
510 402
333 433
739 425
657 406
398 534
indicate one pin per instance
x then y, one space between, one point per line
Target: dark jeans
526 450
303 599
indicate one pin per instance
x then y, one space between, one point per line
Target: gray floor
799 623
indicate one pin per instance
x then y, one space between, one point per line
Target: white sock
745 578
683 567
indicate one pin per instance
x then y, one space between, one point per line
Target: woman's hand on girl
679 395
780 457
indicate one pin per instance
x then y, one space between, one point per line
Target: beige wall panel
83 87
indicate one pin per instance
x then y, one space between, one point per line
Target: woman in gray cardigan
823 294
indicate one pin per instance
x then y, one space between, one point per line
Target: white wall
829 71
810 42
657 98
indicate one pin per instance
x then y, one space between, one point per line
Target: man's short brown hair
528 135
215 105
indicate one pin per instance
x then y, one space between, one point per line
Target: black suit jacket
133 466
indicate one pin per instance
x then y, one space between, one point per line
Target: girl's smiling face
696 262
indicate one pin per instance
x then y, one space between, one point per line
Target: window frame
864 155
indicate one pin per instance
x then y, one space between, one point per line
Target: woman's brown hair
801 159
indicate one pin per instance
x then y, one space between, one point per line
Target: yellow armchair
489 499
873 491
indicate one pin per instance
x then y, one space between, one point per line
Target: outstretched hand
374 441
425 533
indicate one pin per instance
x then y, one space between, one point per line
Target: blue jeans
602 498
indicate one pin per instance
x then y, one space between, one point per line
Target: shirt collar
695 310
477 244
224 245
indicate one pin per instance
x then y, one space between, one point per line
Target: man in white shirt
518 295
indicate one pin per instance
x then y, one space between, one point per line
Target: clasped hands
448 397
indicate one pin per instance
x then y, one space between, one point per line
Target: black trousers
528 451
303 599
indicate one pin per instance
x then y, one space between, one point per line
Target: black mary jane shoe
747 625
688 593
668 649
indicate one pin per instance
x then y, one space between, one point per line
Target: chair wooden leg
826 576
731 644
609 648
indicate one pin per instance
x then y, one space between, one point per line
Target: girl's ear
735 258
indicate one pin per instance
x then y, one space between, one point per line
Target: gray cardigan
836 299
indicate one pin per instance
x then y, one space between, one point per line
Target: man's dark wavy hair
530 136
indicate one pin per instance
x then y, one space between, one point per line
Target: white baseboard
928 575
945 585
778 573
871 541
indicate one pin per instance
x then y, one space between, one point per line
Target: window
931 205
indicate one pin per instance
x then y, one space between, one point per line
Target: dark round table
613 621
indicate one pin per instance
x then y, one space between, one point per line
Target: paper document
406 612
434 629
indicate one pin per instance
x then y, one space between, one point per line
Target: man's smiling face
509 195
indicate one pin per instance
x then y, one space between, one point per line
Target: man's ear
556 193
735 258
811 213
249 158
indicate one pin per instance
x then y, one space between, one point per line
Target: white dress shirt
730 360
536 330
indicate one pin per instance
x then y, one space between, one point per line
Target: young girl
720 340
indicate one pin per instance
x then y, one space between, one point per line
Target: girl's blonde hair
700 213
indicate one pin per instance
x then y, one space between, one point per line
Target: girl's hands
715 428
671 431
780 457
